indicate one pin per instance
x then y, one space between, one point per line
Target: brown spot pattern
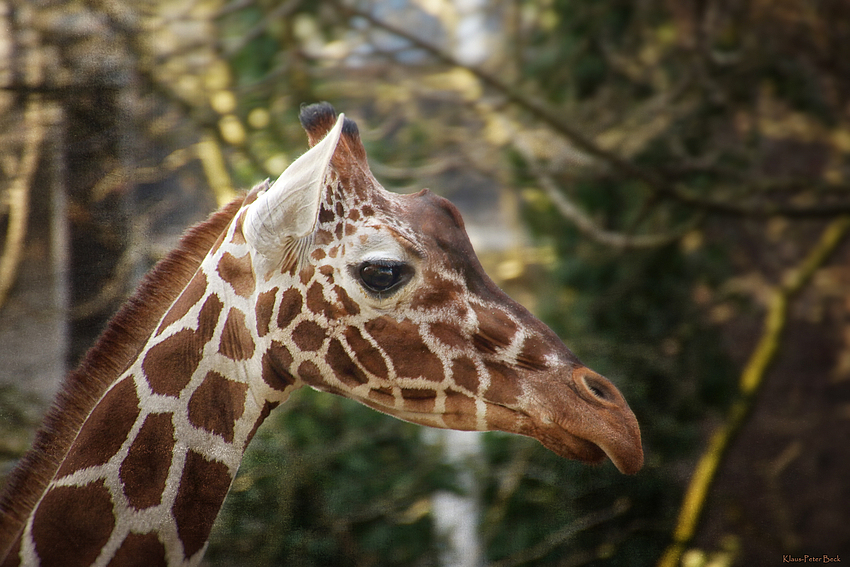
368 356
276 364
328 272
217 404
410 356
343 366
238 234
236 341
203 486
105 430
348 305
310 373
13 558
495 330
316 302
533 355
323 237
308 336
460 410
465 374
264 310
170 364
238 273
72 524
291 305
419 400
307 274
325 215
504 384
449 335
145 470
190 296
264 413
140 550
382 396
435 293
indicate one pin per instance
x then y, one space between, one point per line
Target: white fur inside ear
289 209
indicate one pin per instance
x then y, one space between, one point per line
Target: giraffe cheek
343 367
367 355
505 384
410 355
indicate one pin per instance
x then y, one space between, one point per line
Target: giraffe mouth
566 445
623 448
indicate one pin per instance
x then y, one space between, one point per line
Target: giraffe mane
117 347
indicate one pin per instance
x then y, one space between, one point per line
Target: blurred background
665 182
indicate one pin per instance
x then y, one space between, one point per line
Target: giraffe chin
625 452
571 447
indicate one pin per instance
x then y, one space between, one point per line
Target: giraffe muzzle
588 419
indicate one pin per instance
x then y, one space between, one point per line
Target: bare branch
663 187
749 385
582 222
18 194
558 537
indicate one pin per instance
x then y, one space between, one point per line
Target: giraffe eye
383 276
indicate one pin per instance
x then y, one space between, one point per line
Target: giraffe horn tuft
289 209
317 120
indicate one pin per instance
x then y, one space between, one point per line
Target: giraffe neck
150 461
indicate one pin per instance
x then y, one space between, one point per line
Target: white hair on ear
288 211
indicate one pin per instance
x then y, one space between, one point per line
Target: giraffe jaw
622 445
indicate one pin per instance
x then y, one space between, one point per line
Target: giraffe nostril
601 390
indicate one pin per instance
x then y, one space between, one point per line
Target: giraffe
323 279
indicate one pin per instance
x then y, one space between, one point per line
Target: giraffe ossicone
322 279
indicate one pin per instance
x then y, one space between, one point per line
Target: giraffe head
385 302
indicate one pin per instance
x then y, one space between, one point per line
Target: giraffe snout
588 419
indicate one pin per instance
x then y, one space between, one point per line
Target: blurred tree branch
570 211
556 538
17 195
751 380
660 185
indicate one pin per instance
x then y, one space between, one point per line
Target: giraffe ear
289 209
